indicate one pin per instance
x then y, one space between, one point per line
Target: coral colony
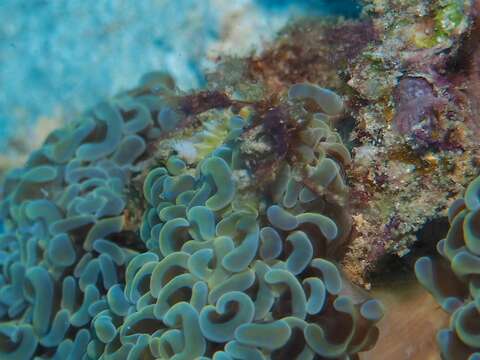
240 221
226 266
456 287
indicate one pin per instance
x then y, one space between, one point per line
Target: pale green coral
223 269
453 279
230 265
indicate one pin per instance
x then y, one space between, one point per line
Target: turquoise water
59 57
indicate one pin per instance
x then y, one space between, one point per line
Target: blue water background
61 56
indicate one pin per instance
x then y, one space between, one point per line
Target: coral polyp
226 263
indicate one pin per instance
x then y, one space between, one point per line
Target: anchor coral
453 279
222 269
65 244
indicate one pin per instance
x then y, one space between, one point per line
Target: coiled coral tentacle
269 336
219 324
329 102
316 337
219 170
194 342
318 295
39 291
109 115
302 252
286 281
23 340
237 350
240 257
